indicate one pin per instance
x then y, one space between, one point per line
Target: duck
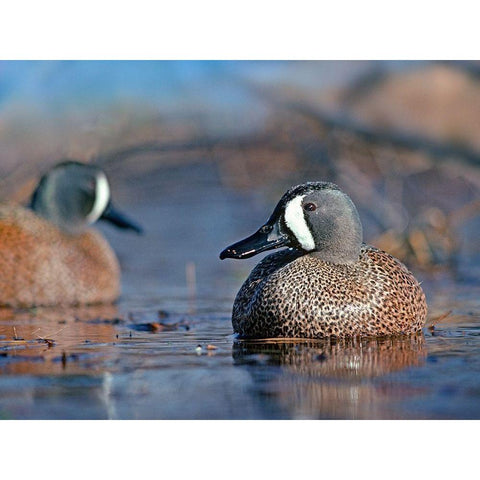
327 283
49 254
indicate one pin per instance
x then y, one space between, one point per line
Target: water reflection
57 340
114 367
325 379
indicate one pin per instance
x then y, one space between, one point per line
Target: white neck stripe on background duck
102 197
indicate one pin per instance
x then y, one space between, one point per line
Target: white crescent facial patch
295 221
102 196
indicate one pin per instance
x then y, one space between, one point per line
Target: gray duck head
74 195
316 218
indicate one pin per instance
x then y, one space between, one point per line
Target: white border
215 29
239 449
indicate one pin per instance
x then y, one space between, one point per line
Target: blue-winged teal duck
48 253
328 283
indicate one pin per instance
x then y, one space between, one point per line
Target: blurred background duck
49 255
328 283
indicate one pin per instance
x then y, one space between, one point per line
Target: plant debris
432 322
50 343
106 321
64 358
159 326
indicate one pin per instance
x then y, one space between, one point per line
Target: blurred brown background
200 152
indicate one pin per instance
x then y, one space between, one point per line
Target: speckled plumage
41 265
328 283
291 294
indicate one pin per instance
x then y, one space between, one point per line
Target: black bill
120 220
267 237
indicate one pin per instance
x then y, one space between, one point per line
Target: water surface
105 363
167 350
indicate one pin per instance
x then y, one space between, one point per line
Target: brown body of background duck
49 255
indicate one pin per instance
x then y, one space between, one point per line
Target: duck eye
310 207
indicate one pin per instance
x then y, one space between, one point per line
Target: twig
435 320
364 84
206 143
472 69
439 150
191 277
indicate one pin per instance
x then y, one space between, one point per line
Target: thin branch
471 68
363 85
206 143
377 136
434 148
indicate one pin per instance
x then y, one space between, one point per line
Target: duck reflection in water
343 378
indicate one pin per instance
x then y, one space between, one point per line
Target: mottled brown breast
294 295
40 265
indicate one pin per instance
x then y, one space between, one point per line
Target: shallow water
105 364
167 350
